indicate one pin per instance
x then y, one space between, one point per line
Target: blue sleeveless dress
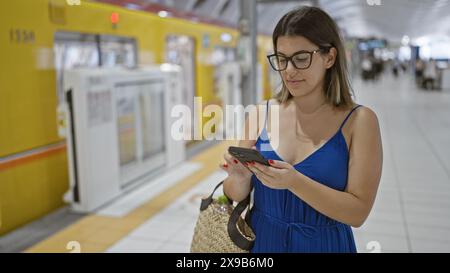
282 222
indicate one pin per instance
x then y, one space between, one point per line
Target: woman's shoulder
364 118
364 112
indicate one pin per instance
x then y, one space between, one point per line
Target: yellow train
41 38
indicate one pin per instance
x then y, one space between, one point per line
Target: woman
325 171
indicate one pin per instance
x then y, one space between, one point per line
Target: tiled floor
411 212
125 204
171 230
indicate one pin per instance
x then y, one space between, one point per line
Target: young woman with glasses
326 168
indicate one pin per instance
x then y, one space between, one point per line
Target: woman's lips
294 81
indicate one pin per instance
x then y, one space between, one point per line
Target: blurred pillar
247 50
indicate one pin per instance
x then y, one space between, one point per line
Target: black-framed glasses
301 59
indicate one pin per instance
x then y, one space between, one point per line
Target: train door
220 58
230 93
180 50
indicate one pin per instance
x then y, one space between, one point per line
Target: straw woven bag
221 229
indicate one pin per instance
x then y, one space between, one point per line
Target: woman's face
301 82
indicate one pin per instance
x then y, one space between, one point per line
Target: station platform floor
411 211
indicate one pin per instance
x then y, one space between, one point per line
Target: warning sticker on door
99 108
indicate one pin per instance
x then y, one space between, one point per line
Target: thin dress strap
267 113
349 114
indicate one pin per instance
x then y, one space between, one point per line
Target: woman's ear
330 58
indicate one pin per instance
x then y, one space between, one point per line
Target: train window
118 51
222 55
73 50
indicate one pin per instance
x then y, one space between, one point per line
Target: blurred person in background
395 67
419 67
430 75
367 67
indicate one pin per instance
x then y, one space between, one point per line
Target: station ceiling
390 19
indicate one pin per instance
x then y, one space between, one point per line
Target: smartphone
245 155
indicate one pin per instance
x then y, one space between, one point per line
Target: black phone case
247 155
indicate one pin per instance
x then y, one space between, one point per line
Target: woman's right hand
235 168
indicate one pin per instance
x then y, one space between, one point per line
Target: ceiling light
163 14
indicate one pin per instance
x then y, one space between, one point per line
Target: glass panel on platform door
151 104
126 124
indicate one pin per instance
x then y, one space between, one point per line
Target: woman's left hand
279 175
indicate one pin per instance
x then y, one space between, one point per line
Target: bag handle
236 236
207 201
240 240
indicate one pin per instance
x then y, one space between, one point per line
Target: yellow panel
264 48
31 190
27 101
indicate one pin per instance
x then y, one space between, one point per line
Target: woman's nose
290 69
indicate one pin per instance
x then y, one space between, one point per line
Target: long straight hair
318 27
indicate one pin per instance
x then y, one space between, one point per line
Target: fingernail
270 161
253 163
225 165
235 161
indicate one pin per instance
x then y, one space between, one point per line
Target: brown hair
317 26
